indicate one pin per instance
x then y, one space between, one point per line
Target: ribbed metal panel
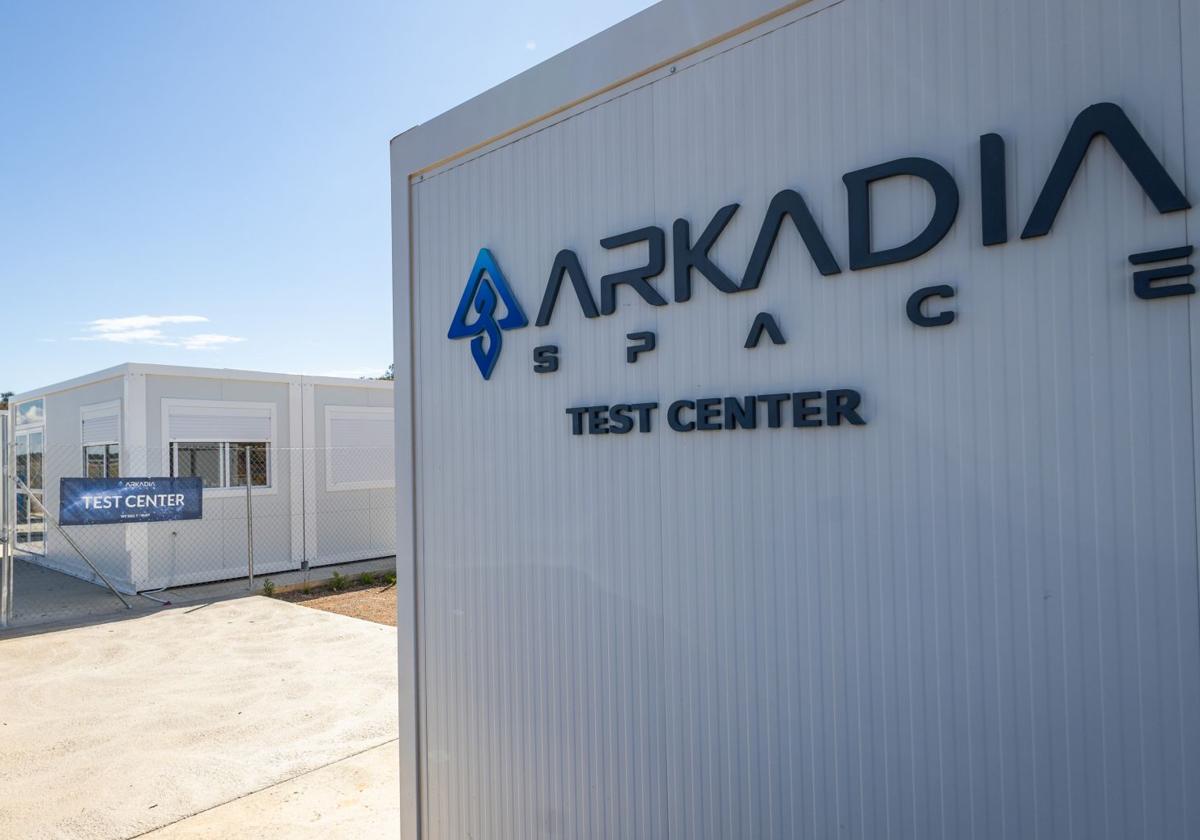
974 617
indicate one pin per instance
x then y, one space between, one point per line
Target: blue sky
206 183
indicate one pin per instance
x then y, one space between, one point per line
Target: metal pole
6 564
10 500
50 518
249 525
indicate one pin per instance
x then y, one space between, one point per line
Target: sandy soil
115 729
373 603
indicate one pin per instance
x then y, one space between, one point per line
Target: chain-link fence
267 513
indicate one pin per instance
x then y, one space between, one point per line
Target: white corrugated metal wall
974 617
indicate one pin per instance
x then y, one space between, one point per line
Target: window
248 459
222 464
100 434
359 448
30 443
102 461
226 444
32 413
198 459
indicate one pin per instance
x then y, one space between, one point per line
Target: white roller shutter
218 423
101 428
360 448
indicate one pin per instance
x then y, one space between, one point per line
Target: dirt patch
372 603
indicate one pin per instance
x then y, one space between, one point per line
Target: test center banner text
103 501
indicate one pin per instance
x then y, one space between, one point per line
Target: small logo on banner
486 290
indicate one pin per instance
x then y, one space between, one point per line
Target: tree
5 396
388 375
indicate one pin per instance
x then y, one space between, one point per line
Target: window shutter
361 447
211 423
104 428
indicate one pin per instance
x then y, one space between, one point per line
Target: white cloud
207 341
141 336
531 45
148 329
141 322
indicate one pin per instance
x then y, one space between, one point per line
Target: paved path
116 729
356 798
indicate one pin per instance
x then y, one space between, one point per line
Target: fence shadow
46 600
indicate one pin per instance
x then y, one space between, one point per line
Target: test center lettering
141 500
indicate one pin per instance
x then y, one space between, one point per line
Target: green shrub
268 587
338 582
366 579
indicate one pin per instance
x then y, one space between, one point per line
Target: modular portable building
803 433
317 454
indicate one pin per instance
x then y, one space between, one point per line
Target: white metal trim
603 67
338 382
296 469
308 402
135 461
117 372
213 373
229 374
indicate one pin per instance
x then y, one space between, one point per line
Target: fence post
7 514
10 499
249 523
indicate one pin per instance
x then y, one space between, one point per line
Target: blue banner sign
105 501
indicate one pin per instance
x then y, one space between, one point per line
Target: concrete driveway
240 718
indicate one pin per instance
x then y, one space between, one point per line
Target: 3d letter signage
488 294
106 501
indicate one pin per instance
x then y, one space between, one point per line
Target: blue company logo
485 288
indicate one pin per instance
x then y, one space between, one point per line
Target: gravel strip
372 603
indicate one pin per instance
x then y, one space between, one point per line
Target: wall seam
1191 332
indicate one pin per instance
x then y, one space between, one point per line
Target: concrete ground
43 597
248 717
355 798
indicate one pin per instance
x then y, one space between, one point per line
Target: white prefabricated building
803 433
321 470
